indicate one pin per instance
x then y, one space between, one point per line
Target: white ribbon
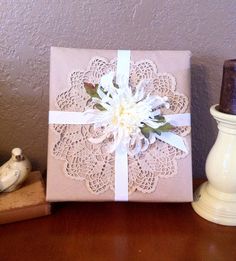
176 120
121 174
121 154
71 117
123 66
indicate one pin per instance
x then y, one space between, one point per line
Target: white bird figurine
14 172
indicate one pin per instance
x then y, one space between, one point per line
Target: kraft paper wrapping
60 187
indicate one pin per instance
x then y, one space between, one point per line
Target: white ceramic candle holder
215 200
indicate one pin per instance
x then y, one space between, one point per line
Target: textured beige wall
29 28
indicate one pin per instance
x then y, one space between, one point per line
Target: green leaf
91 89
99 107
165 128
146 130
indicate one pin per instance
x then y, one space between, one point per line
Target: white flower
106 82
125 113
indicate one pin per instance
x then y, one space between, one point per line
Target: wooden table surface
118 231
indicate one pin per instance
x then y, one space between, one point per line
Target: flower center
129 115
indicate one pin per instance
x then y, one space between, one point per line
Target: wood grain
118 231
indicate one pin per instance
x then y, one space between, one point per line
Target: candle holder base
214 205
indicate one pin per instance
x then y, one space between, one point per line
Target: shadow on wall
202 128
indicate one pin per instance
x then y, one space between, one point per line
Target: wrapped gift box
81 170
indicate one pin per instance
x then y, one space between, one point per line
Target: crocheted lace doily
91 163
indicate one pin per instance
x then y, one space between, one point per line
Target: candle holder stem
215 200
